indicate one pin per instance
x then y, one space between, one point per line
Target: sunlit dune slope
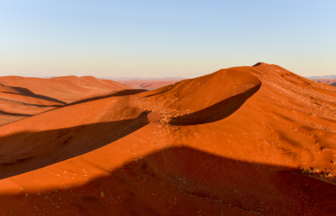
201 100
242 141
62 89
22 97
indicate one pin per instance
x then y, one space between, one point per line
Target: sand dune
326 81
22 97
149 84
61 89
242 141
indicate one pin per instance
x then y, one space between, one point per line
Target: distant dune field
149 83
326 81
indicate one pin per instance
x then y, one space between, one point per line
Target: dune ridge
254 140
22 97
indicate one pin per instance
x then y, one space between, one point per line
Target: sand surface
22 97
241 141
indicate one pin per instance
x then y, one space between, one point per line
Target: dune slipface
242 141
22 97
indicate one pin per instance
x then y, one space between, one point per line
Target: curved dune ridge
242 141
22 97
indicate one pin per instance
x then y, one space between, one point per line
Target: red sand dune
62 89
241 141
326 81
149 84
22 97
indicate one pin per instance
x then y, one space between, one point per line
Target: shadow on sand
114 94
29 93
14 114
178 180
215 112
182 180
49 147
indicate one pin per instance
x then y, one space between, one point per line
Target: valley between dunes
254 140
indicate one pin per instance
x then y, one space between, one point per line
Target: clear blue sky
153 38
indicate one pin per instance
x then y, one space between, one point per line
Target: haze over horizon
164 39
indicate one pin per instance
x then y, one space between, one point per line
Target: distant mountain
327 79
143 78
149 84
322 77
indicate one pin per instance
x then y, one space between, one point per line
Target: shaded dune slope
22 97
95 123
241 141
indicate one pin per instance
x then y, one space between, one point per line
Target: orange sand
241 141
22 97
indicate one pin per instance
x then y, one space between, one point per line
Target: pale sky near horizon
176 38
